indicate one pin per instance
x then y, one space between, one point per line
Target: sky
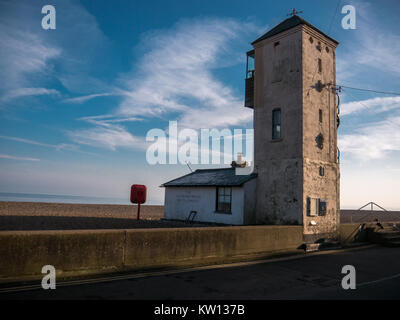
77 101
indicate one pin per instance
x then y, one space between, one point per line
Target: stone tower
291 85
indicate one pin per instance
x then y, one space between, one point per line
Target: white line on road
378 280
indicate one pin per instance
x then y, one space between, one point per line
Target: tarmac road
311 277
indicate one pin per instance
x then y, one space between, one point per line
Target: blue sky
77 102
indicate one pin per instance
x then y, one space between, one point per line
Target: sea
32 197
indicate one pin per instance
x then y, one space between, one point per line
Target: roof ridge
211 177
287 24
213 169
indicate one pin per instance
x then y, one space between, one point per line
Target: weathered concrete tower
291 85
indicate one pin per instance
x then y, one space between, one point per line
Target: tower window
321 171
311 40
316 207
320 116
319 65
276 124
249 88
312 206
250 65
322 207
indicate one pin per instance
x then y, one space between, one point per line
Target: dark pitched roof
288 24
210 177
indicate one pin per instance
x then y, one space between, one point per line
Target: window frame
316 207
217 202
250 61
274 125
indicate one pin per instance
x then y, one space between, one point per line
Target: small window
276 124
322 207
321 171
320 116
327 49
311 40
319 65
312 207
316 207
250 65
224 200
319 139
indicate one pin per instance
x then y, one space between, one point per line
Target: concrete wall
23 254
180 201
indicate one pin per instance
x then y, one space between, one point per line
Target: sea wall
83 252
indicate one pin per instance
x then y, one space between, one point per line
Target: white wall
179 201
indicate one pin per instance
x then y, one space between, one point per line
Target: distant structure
291 86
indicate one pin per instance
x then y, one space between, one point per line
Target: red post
138 196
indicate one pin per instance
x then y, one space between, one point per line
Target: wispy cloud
373 141
374 105
58 147
109 137
24 92
372 47
176 75
22 53
7 156
107 119
28 141
107 133
82 99
30 56
380 52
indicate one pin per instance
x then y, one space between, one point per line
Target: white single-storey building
211 195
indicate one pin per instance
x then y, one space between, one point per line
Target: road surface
312 277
